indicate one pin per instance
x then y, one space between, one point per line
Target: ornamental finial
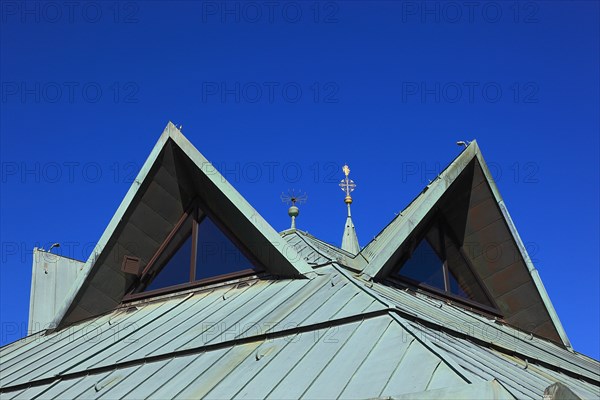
347 184
349 240
292 198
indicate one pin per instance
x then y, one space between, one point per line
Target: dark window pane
177 270
173 265
424 266
216 254
455 287
462 279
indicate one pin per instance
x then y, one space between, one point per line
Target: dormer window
438 263
198 250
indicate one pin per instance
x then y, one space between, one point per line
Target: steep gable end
174 178
458 238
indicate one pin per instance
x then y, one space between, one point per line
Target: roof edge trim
289 253
434 192
533 272
111 227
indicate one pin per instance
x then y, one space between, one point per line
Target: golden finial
346 169
347 184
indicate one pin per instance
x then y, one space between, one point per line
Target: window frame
444 229
199 212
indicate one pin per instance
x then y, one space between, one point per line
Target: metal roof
354 360
484 330
316 252
335 336
339 334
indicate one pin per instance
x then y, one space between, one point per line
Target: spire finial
292 198
347 184
349 240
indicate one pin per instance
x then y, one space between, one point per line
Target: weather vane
347 184
293 198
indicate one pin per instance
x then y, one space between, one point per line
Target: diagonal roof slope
328 337
317 252
173 175
468 197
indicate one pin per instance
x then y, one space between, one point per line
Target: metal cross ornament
347 184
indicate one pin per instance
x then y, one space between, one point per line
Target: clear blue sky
280 96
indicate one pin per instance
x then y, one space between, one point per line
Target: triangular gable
173 176
467 197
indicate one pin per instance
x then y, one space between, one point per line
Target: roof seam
365 358
456 368
51 386
216 323
494 373
532 343
501 348
387 382
184 368
312 247
40 351
147 378
505 350
432 375
330 359
327 244
395 313
126 336
378 298
206 348
259 370
179 312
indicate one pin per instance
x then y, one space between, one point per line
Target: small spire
292 198
349 240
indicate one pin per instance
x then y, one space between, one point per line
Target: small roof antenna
463 143
49 250
293 198
53 246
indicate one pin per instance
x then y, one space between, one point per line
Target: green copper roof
345 333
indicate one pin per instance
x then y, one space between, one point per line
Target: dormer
177 221
457 241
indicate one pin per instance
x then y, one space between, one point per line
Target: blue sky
278 95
